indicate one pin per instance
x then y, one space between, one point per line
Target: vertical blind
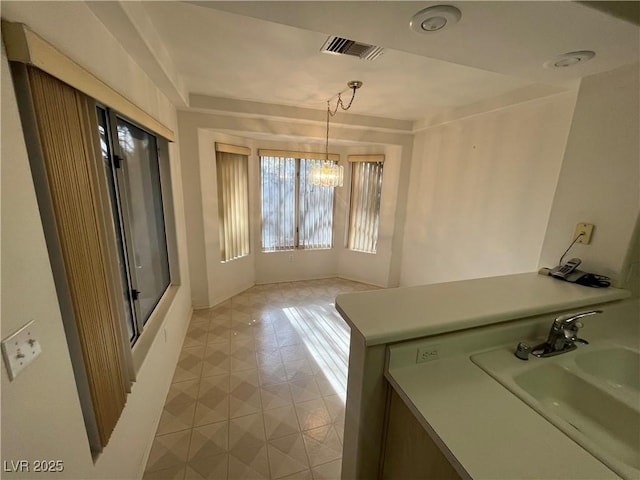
278 192
233 203
316 210
67 129
364 214
295 214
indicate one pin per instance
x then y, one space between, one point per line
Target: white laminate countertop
397 314
486 429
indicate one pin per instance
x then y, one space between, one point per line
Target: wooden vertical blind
66 124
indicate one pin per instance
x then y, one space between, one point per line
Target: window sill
152 327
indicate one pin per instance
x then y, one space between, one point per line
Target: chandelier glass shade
328 173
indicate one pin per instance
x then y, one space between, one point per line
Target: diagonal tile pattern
259 388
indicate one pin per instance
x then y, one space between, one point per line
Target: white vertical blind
364 215
233 204
278 179
295 214
316 210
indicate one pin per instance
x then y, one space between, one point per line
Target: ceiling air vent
344 46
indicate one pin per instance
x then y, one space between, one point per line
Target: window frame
121 212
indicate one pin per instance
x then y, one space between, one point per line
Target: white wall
294 265
631 274
600 177
41 416
481 191
375 268
223 279
213 282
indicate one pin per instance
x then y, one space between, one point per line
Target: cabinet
409 451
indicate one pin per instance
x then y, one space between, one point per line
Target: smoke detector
570 59
434 19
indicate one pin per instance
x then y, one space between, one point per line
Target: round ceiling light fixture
570 59
434 19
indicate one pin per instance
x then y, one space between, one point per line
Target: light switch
20 349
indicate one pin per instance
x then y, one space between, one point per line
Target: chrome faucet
563 335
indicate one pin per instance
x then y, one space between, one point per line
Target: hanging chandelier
327 173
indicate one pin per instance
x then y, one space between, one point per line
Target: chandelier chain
339 104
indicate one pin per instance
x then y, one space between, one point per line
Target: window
364 212
232 168
102 215
295 214
130 157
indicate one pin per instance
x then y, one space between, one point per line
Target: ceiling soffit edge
132 29
481 108
247 108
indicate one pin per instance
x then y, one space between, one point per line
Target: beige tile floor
259 388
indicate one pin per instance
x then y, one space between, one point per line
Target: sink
591 394
619 367
608 421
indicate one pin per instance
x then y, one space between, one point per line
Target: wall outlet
427 354
20 349
586 229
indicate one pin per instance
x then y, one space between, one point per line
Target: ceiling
269 52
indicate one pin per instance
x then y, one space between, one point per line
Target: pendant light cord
326 146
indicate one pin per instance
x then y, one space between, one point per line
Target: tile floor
259 388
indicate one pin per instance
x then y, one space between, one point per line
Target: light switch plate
20 349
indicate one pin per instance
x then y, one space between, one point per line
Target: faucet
562 337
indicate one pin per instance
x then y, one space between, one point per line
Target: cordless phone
564 270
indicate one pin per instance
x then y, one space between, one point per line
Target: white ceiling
270 51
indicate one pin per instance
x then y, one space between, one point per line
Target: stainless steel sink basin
591 394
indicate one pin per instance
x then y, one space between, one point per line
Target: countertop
466 409
482 426
398 314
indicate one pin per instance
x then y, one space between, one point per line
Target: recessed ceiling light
570 59
434 19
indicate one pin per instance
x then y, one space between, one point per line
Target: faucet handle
570 331
522 351
574 317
